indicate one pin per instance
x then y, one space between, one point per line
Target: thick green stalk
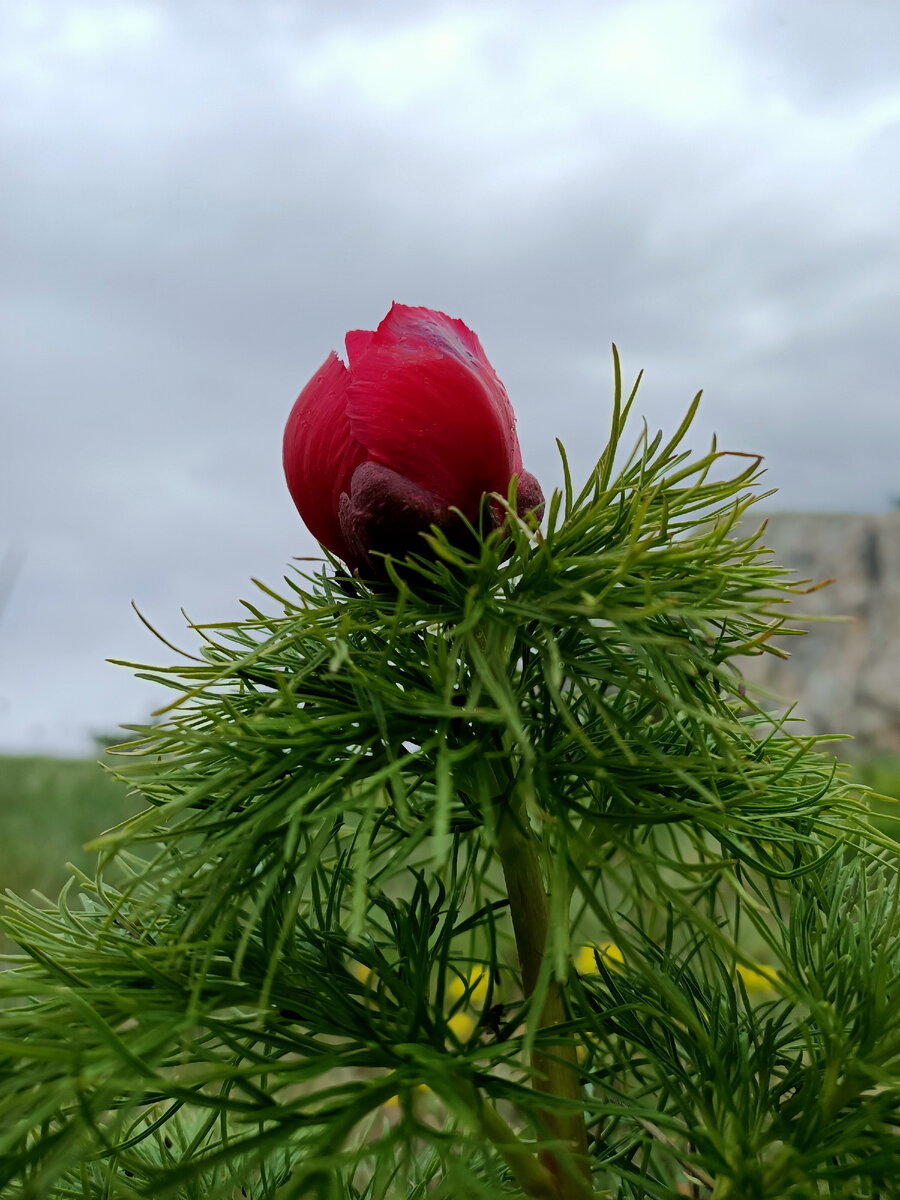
533 1177
556 1075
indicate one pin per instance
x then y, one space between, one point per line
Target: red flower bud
377 452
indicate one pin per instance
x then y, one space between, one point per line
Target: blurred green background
49 808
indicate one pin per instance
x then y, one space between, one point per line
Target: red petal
417 326
426 402
321 454
357 342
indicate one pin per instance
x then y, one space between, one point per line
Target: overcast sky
200 197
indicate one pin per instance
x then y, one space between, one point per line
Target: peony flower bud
417 423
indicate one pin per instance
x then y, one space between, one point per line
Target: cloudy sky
199 197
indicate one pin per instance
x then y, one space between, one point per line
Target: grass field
882 775
49 807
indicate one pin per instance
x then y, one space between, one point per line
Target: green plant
384 828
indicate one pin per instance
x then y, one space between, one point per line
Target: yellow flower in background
393 1102
586 963
476 982
461 1025
361 972
758 979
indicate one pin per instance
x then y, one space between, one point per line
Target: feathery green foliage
304 981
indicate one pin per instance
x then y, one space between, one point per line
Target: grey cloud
188 236
822 52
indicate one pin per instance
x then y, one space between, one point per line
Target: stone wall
846 676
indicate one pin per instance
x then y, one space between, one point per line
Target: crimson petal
425 402
357 342
321 454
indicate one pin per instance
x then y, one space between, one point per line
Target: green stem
532 1176
557 1075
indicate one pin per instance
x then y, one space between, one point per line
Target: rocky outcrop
844 674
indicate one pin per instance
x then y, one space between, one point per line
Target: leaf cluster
293 973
